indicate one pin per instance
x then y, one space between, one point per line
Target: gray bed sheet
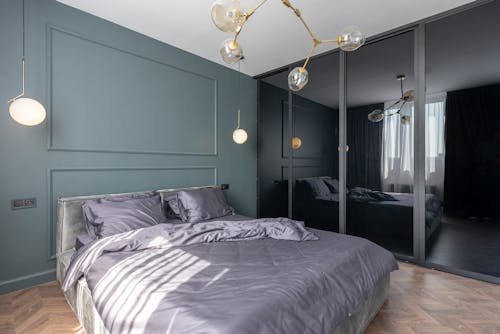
256 286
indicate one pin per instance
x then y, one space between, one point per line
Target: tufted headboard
70 221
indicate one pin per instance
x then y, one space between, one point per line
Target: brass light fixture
24 110
406 97
229 16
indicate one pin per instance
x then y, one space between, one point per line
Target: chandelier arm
309 55
402 105
252 10
337 40
392 105
299 15
247 16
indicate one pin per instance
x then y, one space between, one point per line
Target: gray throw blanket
176 279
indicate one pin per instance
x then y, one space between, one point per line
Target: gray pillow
317 186
110 217
89 217
172 210
332 184
203 204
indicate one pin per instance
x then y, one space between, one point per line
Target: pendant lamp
24 110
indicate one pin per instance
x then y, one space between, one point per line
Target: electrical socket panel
23 203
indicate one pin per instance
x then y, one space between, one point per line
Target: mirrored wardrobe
420 167
305 137
462 139
380 169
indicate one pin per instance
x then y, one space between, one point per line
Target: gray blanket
188 279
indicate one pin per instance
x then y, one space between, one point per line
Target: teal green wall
125 113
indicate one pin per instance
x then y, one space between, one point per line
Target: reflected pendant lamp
24 110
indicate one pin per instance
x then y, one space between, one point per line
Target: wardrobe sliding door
298 146
463 141
314 141
380 157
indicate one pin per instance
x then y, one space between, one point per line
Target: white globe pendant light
27 111
240 136
24 110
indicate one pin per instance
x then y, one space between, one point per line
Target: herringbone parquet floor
420 301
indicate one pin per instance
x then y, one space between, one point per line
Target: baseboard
27 281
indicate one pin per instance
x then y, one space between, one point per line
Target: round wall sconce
296 143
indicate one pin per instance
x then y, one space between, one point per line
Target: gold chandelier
229 16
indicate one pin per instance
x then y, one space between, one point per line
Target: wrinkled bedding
252 276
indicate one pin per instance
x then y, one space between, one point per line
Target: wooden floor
420 301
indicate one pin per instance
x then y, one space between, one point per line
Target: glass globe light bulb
27 111
405 120
376 116
240 136
409 96
231 51
351 39
296 143
228 15
298 78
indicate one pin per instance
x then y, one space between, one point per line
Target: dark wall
125 113
317 127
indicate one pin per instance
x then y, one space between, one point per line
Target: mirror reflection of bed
462 142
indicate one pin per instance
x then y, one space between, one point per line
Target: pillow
332 184
110 217
202 204
89 216
317 186
172 210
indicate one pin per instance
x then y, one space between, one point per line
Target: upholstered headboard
70 222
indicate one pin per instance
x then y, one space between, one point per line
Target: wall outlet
23 203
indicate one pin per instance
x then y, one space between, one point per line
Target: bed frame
70 224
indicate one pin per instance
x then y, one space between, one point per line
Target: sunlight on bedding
135 286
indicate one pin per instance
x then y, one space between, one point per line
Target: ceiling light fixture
229 16
406 97
24 110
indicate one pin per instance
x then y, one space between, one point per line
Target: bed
246 286
389 219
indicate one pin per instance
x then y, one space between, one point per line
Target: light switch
23 203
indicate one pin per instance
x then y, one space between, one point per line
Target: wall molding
284 167
26 281
50 29
52 219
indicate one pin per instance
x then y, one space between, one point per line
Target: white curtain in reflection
398 153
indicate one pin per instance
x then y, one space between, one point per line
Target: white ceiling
450 65
273 37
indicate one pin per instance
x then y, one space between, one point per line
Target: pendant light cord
22 59
239 92
24 33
